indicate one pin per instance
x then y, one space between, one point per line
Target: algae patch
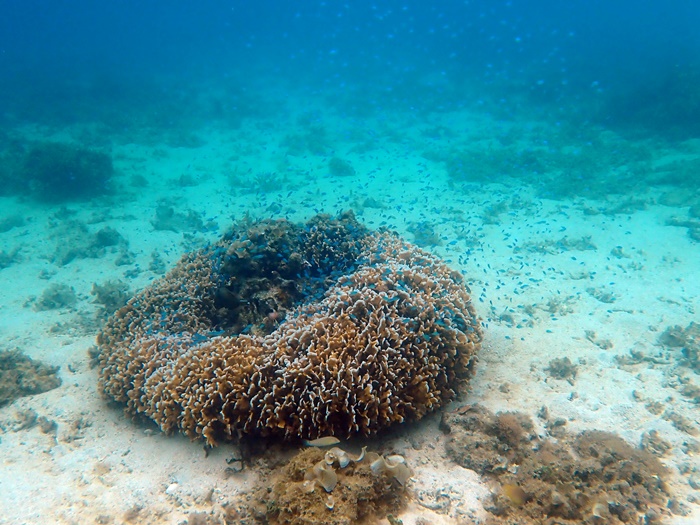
332 488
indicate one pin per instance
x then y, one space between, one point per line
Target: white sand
99 464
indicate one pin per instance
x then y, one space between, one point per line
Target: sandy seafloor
99 464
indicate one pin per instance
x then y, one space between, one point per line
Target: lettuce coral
293 331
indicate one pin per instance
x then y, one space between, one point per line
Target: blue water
570 60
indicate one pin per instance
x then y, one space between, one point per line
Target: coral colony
293 331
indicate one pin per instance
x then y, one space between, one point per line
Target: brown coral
590 478
22 376
360 493
375 332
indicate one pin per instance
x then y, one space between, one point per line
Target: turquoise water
547 152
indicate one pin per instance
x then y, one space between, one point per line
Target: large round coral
296 331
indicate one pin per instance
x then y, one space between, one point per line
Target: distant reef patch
54 172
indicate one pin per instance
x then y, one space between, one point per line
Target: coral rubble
21 376
590 478
688 340
352 491
294 331
57 295
681 348
340 167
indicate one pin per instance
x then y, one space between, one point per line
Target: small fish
322 442
515 494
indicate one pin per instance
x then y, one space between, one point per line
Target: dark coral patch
55 172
